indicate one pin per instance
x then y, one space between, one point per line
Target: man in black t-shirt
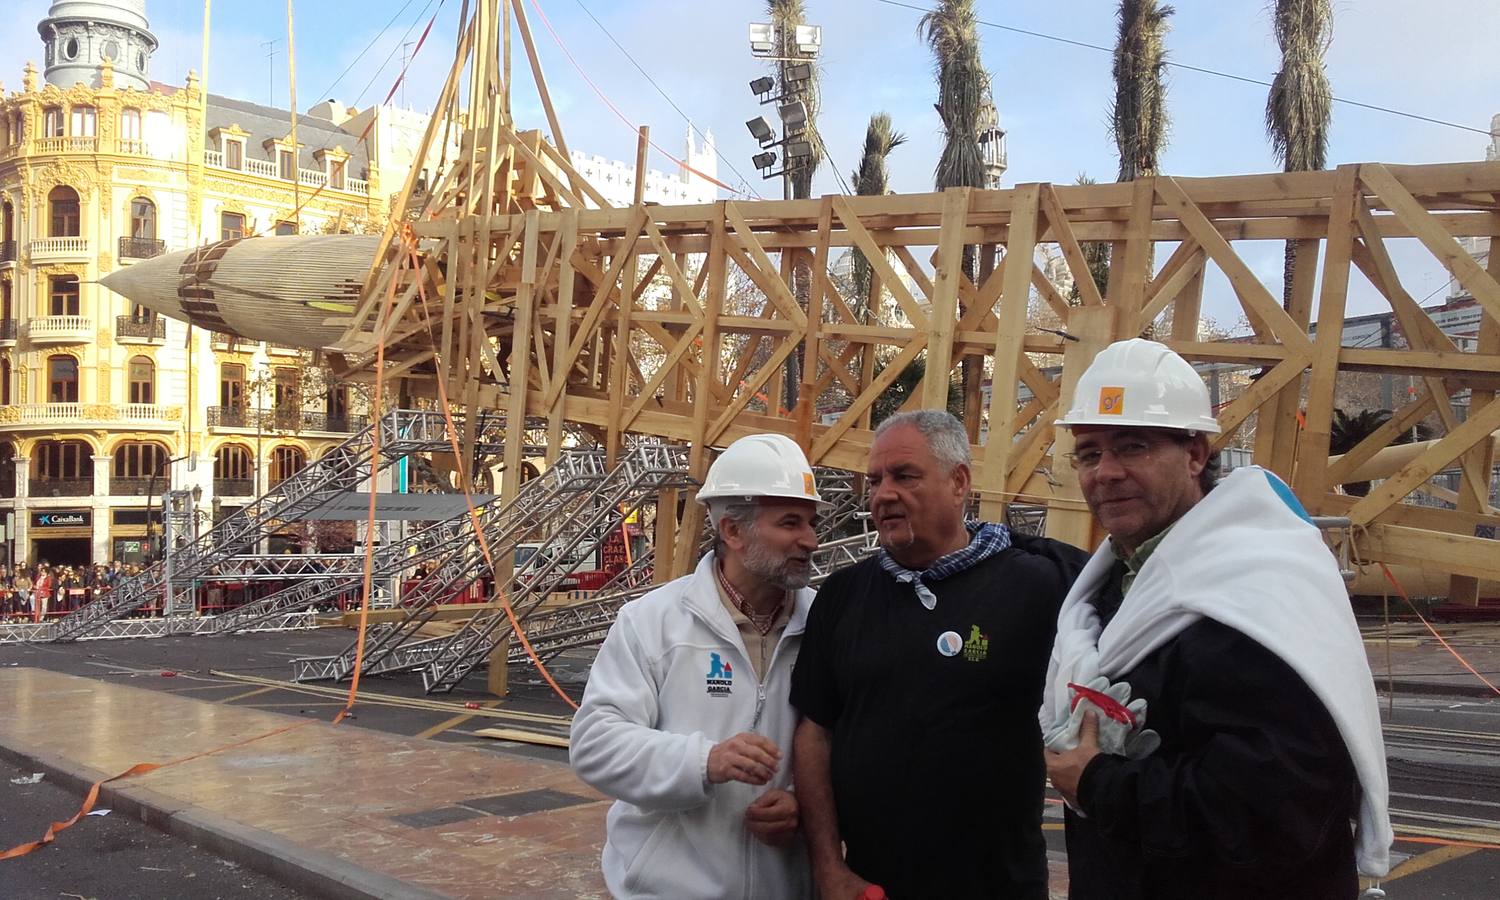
918 682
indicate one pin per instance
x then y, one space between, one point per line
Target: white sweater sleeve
614 746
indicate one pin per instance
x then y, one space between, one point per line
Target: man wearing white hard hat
1209 712
918 758
685 719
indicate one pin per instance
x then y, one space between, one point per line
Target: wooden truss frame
505 293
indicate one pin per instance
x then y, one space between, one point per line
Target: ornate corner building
103 407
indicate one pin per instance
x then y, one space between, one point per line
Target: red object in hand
1107 704
873 892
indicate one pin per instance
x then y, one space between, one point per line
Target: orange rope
1446 646
1444 842
484 544
138 769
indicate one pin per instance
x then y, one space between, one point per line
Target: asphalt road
112 857
1444 753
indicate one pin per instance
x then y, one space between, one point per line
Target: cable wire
1200 69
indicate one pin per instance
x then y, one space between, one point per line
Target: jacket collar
702 597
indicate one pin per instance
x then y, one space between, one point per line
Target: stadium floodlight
793 116
798 150
808 39
760 129
762 86
764 161
762 39
795 74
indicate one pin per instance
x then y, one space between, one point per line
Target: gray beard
767 566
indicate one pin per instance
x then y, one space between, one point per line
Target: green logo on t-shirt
977 647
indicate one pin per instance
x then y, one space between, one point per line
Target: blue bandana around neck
985 540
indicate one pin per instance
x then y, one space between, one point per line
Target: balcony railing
153 328
223 340
60 487
133 146
58 248
7 251
268 169
141 248
66 145
7 329
234 487
60 330
295 421
50 415
135 486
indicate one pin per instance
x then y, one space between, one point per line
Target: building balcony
282 349
8 331
66 145
60 330
283 421
266 169
136 486
132 330
60 487
53 416
59 249
132 146
223 340
234 487
141 248
7 253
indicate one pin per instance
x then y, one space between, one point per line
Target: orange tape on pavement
138 769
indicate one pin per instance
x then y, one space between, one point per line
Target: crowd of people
29 592
1195 689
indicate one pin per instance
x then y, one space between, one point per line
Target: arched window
62 203
138 468
4 382
7 469
142 219
8 227
62 379
62 469
142 380
286 462
130 125
234 472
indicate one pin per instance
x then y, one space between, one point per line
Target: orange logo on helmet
807 484
1111 401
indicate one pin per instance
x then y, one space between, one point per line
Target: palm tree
872 179
1300 106
965 107
1138 116
1096 254
1347 430
786 15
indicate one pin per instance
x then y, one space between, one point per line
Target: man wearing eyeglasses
1209 713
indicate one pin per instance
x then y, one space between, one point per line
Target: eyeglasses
1127 452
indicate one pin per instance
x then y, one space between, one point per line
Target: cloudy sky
1435 59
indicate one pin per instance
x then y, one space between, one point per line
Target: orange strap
1446 646
138 769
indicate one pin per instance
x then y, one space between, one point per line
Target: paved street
1444 753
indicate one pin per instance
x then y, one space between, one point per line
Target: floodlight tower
793 48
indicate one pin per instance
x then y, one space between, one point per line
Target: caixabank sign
62 518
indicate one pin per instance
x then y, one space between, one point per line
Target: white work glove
1129 738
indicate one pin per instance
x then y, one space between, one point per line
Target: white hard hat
1141 383
761 465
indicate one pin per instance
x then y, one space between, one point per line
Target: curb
1466 689
313 871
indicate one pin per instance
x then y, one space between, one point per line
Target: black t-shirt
936 752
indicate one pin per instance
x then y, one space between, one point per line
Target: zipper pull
760 704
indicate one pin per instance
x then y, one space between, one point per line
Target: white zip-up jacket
672 680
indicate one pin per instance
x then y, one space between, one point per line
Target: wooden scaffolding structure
502 291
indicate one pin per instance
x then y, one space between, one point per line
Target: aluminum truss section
344 468
576 473
643 471
346 572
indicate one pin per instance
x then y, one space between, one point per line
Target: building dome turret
79 36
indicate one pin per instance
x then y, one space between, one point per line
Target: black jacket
1251 794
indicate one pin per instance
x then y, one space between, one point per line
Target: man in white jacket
685 720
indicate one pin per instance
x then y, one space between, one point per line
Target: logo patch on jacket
977 647
720 677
